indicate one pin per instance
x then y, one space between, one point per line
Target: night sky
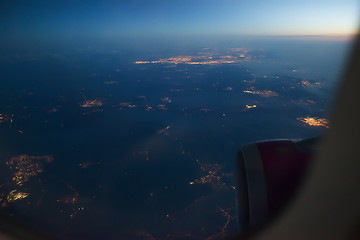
109 19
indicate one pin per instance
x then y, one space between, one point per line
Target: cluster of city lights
315 121
206 59
5 118
25 166
262 93
92 103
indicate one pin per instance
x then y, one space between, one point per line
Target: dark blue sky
109 19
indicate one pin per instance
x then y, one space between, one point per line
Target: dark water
153 156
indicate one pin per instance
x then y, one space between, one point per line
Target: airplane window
122 119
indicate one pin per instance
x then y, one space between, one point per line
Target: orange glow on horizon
331 37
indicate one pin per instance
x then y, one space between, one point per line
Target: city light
315 121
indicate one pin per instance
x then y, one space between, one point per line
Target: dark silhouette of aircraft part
268 173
